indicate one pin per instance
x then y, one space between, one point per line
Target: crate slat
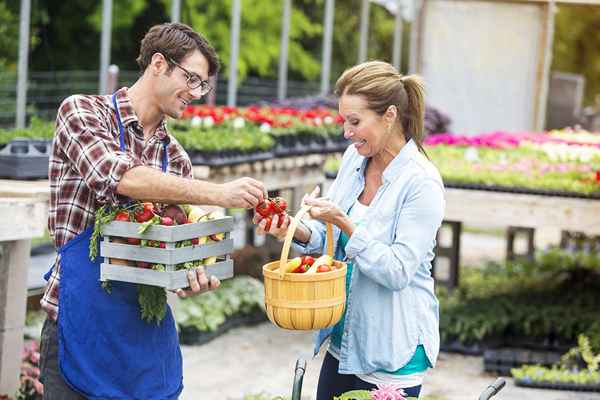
170 280
165 256
169 233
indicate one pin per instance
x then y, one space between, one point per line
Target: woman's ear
391 114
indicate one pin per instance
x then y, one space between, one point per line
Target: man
109 149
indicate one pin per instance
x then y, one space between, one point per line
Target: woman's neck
382 159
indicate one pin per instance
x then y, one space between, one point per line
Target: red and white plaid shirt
87 164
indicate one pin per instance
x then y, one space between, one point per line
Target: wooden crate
170 256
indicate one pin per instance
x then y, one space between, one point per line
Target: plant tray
579 387
170 256
25 159
521 190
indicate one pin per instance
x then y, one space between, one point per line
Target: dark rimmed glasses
193 80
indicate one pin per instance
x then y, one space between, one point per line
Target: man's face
172 91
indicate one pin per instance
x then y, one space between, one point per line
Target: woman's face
367 130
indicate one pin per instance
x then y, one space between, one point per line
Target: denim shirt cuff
312 246
358 241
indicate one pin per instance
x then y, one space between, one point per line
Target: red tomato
268 224
308 260
281 219
168 221
263 209
323 268
122 216
133 241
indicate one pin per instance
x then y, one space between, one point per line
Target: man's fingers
214 282
202 279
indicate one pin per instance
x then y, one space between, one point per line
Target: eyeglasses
193 80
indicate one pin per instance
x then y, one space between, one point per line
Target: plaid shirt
87 164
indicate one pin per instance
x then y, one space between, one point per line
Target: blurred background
512 122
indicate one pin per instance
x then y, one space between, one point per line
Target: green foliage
240 295
577 45
538 373
221 137
38 129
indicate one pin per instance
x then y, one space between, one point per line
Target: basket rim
339 272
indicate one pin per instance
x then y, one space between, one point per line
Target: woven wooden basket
300 301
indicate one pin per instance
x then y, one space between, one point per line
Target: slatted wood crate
169 256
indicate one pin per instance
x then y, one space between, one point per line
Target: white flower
238 123
328 120
471 154
208 121
196 121
265 128
318 121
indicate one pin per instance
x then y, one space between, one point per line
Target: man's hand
199 283
242 193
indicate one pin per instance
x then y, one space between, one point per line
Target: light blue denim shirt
392 307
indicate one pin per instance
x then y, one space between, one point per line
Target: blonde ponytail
414 116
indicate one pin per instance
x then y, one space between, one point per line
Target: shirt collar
408 151
129 117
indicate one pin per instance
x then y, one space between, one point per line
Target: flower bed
557 162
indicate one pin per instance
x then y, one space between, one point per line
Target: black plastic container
25 159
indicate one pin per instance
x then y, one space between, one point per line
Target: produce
176 213
152 299
271 207
320 264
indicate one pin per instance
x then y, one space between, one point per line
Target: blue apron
106 351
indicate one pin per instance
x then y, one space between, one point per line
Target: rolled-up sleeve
92 149
419 219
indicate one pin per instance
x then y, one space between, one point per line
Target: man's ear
158 64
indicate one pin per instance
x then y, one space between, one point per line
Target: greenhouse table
502 209
21 218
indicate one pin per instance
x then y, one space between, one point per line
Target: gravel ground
257 359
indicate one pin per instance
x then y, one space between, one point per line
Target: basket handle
285 251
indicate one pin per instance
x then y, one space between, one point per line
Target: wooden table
502 209
21 218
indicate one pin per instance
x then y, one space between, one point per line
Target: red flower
598 176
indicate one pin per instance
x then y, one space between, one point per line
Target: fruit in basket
323 261
323 268
176 213
167 221
122 216
309 260
146 213
292 264
209 260
196 214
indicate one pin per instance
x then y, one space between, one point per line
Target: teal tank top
418 363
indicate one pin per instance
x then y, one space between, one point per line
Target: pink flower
387 392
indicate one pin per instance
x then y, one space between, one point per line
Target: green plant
524 300
240 295
38 129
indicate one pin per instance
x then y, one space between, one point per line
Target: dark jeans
333 384
55 387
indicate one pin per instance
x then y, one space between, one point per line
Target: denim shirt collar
395 167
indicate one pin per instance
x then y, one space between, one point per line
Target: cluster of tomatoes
271 207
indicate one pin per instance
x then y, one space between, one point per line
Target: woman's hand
322 208
326 211
273 226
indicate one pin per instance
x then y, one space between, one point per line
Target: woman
386 206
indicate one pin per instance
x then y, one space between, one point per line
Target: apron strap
121 130
165 157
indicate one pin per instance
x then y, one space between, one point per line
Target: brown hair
382 86
175 40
